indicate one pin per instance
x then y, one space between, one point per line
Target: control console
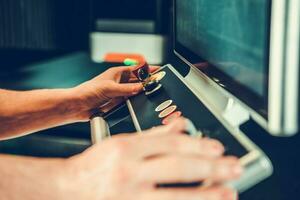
172 98
168 96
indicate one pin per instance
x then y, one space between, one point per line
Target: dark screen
232 36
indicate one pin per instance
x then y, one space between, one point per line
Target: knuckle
180 142
174 141
121 146
208 167
122 173
212 144
216 143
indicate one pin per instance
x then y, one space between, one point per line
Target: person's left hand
106 90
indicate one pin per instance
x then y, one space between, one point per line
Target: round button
158 76
171 117
151 85
167 111
163 106
159 86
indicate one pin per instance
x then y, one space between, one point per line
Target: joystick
142 72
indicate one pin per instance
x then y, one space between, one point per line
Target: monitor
249 49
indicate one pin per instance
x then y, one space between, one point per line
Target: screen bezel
247 96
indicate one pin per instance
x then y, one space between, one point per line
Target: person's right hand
129 167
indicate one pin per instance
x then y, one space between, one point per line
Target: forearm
26 112
31 178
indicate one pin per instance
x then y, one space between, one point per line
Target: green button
130 62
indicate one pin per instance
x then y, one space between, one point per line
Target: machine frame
283 93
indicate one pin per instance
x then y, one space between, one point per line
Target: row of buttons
167 112
158 76
153 83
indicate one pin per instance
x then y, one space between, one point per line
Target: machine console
174 99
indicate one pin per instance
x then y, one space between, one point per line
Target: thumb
124 89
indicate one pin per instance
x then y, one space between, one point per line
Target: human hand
109 89
129 167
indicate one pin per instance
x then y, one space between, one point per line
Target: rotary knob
142 71
151 85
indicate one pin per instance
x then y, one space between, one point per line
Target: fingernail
217 147
228 194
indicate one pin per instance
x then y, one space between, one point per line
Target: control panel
167 96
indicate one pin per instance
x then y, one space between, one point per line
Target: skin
21 111
127 167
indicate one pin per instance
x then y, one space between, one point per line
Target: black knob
151 85
142 71
143 74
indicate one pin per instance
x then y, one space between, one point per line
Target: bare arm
30 111
24 112
30 178
125 167
131 169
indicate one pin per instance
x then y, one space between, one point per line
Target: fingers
171 140
151 69
121 69
177 126
145 147
125 69
154 68
214 193
125 89
126 84
187 169
133 80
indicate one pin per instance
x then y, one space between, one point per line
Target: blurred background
60 44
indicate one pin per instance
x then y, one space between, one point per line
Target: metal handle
99 129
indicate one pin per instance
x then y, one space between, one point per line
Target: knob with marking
142 71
